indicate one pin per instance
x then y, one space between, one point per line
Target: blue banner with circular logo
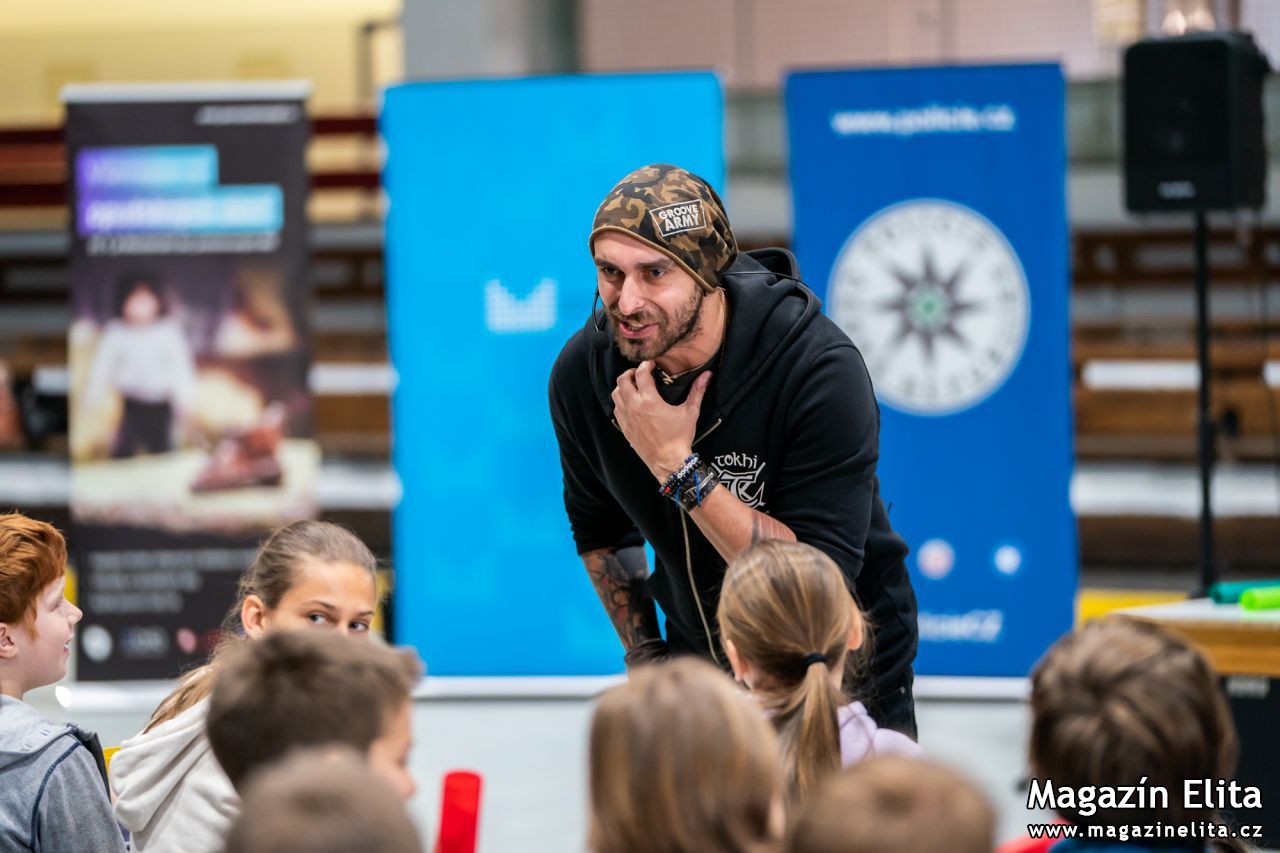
930 216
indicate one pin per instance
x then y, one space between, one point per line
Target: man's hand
647 652
661 434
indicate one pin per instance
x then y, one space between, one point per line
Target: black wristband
698 484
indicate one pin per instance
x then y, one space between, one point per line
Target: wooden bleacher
1158 422
1134 379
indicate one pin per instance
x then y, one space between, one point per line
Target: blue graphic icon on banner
505 313
930 215
492 188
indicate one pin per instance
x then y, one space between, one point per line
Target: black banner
189 349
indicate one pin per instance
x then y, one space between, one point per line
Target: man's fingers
698 391
626 383
644 378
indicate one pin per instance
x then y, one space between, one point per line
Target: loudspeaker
1193 135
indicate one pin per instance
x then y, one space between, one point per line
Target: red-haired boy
53 786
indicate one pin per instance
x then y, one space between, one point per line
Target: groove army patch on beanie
675 212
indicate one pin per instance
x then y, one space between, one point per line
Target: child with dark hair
321 801
144 356
53 785
894 803
297 689
1124 702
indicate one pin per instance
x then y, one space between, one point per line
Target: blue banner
492 188
930 216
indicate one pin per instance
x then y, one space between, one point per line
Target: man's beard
672 330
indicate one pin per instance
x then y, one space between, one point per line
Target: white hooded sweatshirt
172 794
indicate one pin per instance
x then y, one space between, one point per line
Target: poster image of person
189 398
145 357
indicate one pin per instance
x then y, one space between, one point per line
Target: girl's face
330 596
141 307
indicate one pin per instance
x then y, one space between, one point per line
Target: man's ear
253 616
8 647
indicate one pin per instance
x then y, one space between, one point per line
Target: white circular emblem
1008 560
937 301
97 643
936 559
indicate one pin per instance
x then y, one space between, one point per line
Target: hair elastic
814 657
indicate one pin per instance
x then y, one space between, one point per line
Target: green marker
1229 592
1261 598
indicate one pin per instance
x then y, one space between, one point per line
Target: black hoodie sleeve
595 516
826 488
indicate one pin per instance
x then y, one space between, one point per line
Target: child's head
321 801
309 574
36 620
138 299
1123 698
682 761
894 803
309 688
788 620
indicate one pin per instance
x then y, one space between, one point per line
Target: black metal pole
1204 417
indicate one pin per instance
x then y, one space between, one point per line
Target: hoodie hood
172 793
768 308
24 731
861 738
54 791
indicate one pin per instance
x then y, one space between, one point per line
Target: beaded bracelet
675 483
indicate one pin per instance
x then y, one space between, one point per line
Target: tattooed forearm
732 527
767 527
619 574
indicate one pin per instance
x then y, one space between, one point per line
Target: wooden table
1237 641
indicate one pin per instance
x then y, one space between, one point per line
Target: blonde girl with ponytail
788 622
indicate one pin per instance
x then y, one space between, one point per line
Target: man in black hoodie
711 405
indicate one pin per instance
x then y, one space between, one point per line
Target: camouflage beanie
675 212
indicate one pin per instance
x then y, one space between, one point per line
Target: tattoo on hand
619 576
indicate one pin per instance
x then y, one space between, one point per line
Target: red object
459 812
1027 844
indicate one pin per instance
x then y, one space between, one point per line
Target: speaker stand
1205 427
